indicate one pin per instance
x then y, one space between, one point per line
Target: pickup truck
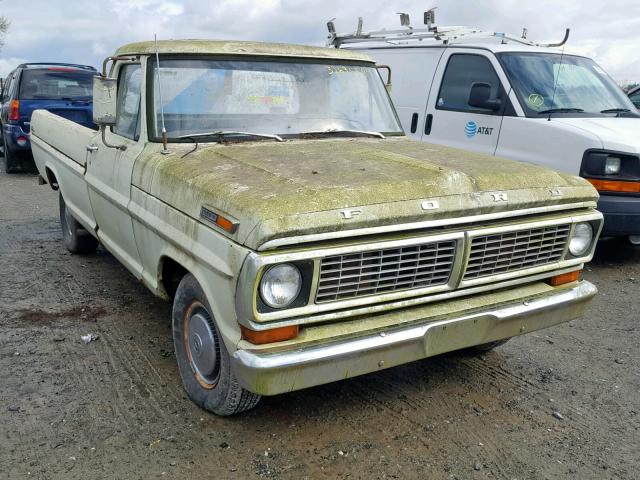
268 190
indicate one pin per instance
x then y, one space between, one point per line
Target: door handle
427 124
92 148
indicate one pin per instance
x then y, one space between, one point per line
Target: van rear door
465 108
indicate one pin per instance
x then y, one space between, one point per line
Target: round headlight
280 285
581 239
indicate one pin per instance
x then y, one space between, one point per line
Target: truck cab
511 97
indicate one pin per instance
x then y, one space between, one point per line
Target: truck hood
618 134
299 187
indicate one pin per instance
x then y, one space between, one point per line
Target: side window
464 73
6 92
128 105
635 98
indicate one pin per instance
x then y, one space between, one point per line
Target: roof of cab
219 47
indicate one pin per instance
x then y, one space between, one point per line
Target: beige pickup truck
301 237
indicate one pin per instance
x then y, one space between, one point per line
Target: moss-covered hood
299 187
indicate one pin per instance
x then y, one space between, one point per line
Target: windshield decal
535 100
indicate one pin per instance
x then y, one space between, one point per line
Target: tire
74 236
634 240
203 360
11 161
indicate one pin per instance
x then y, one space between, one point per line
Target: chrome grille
506 252
382 271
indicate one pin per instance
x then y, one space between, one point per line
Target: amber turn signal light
564 278
615 186
269 336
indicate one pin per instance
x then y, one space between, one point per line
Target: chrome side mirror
387 83
105 94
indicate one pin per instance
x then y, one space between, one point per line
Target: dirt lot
562 403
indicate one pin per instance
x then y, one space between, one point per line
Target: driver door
109 171
450 117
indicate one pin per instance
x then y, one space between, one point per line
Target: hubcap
635 239
203 346
68 220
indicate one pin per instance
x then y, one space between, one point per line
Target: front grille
506 252
382 271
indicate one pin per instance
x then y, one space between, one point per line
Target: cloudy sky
85 31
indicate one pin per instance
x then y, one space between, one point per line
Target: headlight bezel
594 165
305 270
588 245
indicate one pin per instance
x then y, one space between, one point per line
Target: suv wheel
74 236
203 360
11 163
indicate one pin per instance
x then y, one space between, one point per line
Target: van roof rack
54 64
432 31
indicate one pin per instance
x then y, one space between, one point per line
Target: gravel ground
561 403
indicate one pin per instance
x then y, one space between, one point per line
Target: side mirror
105 94
387 83
480 97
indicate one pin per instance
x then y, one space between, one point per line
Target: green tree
4 26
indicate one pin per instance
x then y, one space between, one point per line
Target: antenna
165 150
555 84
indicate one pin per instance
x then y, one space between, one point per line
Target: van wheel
203 360
74 236
11 163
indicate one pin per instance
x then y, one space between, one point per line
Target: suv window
56 83
128 105
463 71
8 85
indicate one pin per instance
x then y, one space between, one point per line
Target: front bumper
621 215
272 373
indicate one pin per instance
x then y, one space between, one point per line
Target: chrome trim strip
270 373
318 237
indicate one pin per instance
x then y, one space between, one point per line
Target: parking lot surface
560 403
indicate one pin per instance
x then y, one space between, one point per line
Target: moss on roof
220 47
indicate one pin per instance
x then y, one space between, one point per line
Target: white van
501 95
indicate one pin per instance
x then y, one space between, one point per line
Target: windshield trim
251 58
529 113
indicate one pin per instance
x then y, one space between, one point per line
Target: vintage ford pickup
269 191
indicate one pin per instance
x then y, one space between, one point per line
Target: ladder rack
445 35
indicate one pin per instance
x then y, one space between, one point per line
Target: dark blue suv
63 89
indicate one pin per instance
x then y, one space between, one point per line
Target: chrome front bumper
284 371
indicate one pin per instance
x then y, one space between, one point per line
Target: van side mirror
387 83
105 94
480 97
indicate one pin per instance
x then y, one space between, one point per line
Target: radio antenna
165 140
555 84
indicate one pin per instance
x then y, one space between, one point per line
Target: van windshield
582 86
285 98
56 83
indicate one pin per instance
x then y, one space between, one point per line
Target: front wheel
74 236
634 240
203 360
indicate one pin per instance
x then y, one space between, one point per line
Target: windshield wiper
561 110
615 110
341 131
230 133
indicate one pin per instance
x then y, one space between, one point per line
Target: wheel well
51 179
170 275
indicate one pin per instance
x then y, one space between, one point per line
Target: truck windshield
285 98
57 83
582 86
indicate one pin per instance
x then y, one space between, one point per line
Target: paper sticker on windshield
535 100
